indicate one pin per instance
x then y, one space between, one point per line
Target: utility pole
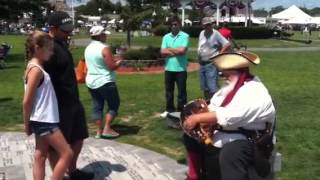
72 11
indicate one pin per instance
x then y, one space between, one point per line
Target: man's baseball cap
97 30
207 20
62 20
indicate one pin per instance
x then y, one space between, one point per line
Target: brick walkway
107 159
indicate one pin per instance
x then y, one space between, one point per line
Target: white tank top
45 106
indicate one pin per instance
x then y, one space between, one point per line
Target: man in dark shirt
71 112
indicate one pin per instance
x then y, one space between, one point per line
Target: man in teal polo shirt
174 48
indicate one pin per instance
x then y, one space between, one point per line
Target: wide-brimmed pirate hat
235 60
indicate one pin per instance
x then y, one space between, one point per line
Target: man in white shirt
210 44
243 105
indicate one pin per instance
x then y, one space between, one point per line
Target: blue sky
266 4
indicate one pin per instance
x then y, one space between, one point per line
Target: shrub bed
252 32
141 58
143 54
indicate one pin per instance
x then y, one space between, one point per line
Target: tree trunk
129 37
230 16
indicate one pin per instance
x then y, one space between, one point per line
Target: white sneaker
164 114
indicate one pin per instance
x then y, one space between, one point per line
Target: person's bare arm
33 79
108 60
166 52
173 51
193 120
225 48
179 51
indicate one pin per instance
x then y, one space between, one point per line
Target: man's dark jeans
180 78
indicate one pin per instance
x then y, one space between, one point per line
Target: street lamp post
183 6
99 9
72 11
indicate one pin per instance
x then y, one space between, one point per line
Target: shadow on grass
10 67
126 129
182 160
103 169
298 40
6 99
15 58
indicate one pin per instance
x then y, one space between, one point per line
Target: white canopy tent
294 15
298 20
112 21
91 19
80 22
290 13
187 21
94 18
316 20
238 19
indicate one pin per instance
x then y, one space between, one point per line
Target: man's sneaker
81 175
164 114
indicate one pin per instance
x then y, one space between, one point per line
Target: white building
225 10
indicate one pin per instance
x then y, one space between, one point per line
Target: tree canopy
11 10
276 9
91 8
260 13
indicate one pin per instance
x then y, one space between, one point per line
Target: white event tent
294 15
298 20
290 13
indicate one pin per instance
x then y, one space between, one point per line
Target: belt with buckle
204 62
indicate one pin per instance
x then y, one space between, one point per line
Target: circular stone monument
107 159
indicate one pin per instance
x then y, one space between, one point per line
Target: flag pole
72 11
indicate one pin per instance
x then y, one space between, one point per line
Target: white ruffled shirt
250 108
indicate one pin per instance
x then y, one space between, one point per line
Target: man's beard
228 86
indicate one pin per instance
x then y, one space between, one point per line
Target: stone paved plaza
107 159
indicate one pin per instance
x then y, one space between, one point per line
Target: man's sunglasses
65 32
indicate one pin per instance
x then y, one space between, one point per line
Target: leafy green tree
135 12
315 11
91 8
260 13
276 9
11 10
306 10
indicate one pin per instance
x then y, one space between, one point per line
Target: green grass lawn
315 35
292 78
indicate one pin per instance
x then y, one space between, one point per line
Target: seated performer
241 109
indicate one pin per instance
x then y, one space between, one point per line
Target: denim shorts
109 93
43 129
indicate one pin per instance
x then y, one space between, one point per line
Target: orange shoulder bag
81 71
